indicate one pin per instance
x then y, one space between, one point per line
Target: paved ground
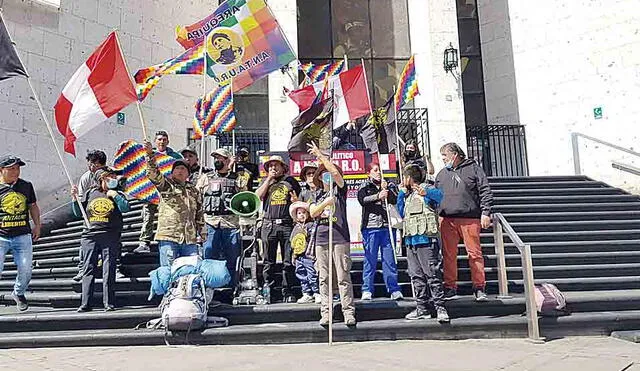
578 353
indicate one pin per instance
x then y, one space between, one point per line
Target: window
376 31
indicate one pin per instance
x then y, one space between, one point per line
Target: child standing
303 252
416 204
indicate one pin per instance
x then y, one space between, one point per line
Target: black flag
10 65
379 130
313 125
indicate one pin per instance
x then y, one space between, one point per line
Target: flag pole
48 124
204 96
126 66
331 209
395 114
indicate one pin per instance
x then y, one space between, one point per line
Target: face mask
218 164
112 183
326 178
410 154
449 165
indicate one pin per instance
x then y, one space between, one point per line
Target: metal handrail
500 227
624 167
576 149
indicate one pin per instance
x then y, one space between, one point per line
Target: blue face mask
112 183
326 178
449 165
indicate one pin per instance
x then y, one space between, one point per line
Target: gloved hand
111 193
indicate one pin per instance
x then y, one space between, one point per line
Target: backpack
185 306
550 301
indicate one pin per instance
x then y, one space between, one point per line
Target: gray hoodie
466 191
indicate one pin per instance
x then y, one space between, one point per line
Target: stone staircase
584 237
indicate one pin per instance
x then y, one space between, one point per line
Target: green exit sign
121 118
597 113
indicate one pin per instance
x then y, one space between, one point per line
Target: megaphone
244 204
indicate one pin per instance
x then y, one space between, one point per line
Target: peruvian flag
350 95
97 90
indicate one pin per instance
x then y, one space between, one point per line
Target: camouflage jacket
180 213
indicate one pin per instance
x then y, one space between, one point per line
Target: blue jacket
433 197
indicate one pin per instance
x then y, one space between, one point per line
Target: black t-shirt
103 213
276 205
14 208
340 224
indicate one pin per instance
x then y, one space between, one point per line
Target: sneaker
143 248
397 295
324 320
306 299
480 295
442 315
450 294
77 277
109 308
417 314
318 298
366 295
21 302
349 319
83 309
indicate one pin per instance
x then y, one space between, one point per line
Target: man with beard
277 192
191 158
217 187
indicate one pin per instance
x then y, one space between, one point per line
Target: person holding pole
150 211
104 206
332 203
376 235
417 203
17 203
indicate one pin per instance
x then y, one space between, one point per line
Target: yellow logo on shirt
14 203
299 243
279 195
100 209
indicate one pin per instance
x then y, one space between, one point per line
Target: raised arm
326 161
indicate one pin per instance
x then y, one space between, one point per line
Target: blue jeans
22 249
169 251
307 275
223 244
374 240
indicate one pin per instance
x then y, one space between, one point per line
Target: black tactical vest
218 194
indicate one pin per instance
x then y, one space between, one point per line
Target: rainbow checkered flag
214 113
164 163
130 159
318 72
407 86
191 62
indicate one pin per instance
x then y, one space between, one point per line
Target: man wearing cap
191 158
150 211
17 203
277 192
246 170
180 213
217 187
309 190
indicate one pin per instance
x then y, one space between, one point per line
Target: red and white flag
350 95
97 90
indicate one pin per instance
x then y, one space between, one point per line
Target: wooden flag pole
395 115
126 66
46 121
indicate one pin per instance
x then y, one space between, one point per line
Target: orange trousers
467 229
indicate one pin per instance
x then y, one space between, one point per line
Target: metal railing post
529 292
576 153
498 241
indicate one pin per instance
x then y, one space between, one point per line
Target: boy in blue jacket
417 203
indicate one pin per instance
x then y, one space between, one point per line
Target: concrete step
557 236
548 184
524 191
564 199
535 179
586 215
566 207
513 326
583 225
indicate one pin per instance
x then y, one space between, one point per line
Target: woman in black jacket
374 195
104 206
